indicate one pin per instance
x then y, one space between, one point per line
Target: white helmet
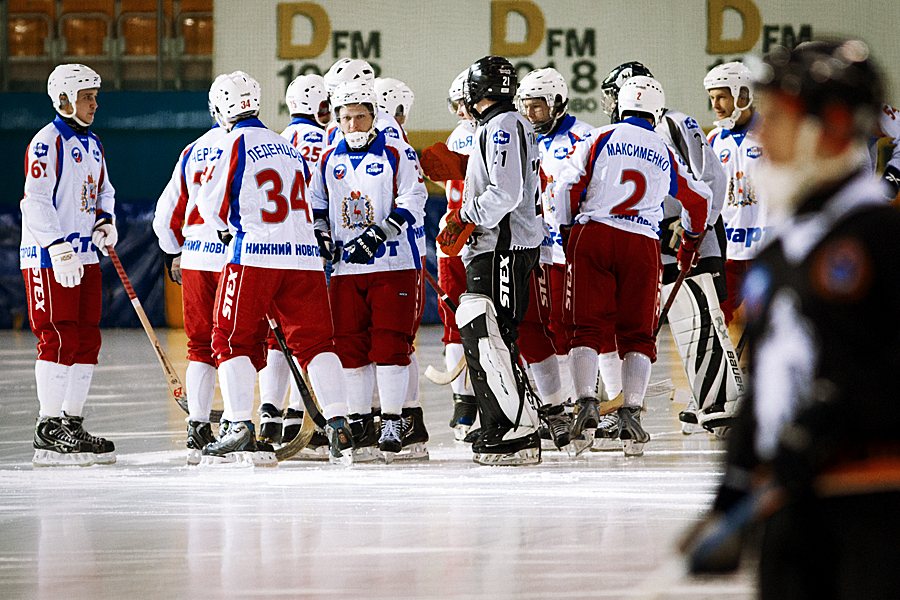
548 85
348 69
69 80
642 94
233 96
305 96
739 81
456 91
394 97
355 92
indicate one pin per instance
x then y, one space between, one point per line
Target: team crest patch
690 123
560 153
391 132
356 211
724 156
96 155
76 155
411 154
842 271
374 168
312 136
89 195
501 137
340 171
754 151
41 149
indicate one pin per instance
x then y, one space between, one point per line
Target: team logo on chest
356 211
374 168
89 195
96 155
725 155
76 155
340 171
754 151
740 190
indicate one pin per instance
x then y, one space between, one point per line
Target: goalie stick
440 377
172 379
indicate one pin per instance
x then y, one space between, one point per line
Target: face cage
608 100
453 105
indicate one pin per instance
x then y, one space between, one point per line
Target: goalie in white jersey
254 194
367 192
67 215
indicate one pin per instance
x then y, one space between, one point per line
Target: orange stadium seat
196 26
30 23
137 25
85 24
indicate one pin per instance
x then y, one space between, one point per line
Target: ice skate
587 417
558 424
502 446
390 441
56 446
464 413
631 433
291 422
365 438
717 418
340 441
473 435
270 424
607 435
104 450
238 446
199 435
688 418
414 435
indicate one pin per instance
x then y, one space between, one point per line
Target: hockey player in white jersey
194 258
254 195
394 97
67 215
368 197
615 184
356 69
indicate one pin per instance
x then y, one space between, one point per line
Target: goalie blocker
709 358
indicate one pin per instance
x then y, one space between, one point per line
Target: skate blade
194 457
633 448
461 431
605 444
320 453
527 456
366 455
346 458
263 459
105 458
49 458
548 445
721 433
388 457
579 445
416 451
691 428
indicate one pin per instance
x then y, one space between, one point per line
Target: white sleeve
40 181
411 192
213 200
704 165
503 162
316 189
170 208
572 179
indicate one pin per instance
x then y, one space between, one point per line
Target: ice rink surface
600 526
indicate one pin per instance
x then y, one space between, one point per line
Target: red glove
687 252
440 163
453 236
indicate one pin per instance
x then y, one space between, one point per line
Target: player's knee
390 347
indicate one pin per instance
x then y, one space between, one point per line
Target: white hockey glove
104 234
67 267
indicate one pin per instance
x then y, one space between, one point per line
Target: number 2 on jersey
640 187
282 207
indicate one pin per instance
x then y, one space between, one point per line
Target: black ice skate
238 446
104 450
607 435
391 431
502 446
413 435
688 418
56 446
587 418
270 424
365 437
464 413
558 424
631 433
717 418
340 441
199 435
291 423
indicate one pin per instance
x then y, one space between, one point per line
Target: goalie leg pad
490 366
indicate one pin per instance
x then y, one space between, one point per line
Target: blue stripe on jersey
411 237
407 216
236 178
59 166
63 128
565 126
392 159
673 182
298 120
46 263
238 243
638 122
249 123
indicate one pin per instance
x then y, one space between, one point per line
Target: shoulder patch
391 132
690 123
313 136
41 149
501 137
411 154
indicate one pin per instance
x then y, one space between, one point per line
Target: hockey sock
546 379
393 384
237 377
360 385
79 383
611 373
583 361
452 355
635 377
296 400
200 387
327 378
52 380
274 379
412 393
565 374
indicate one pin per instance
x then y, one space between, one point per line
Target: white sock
567 385
452 354
80 376
327 378
52 380
200 387
237 377
296 400
583 361
611 373
360 385
393 383
546 380
412 393
635 377
274 379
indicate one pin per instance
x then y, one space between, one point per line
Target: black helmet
613 82
491 77
825 74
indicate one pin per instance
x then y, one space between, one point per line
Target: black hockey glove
670 232
891 177
173 266
326 244
225 236
362 249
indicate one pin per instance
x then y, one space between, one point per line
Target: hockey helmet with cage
736 78
350 93
610 86
234 96
68 80
824 75
548 85
306 95
348 69
455 94
492 77
393 96
642 94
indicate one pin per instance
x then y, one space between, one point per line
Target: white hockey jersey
556 149
889 123
461 140
745 212
256 189
177 221
66 191
358 189
308 138
621 176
